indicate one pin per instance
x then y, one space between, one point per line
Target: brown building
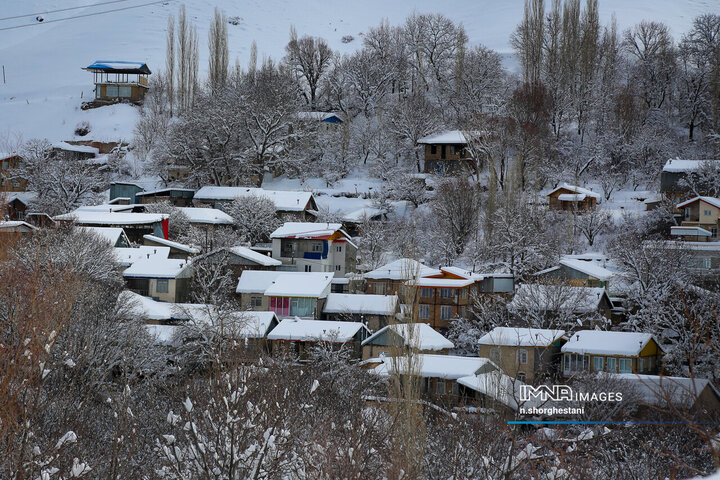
10 181
699 217
523 353
445 153
611 352
118 81
390 279
397 339
573 198
298 337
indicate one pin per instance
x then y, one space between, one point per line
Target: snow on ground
43 62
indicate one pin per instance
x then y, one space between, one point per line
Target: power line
85 15
61 10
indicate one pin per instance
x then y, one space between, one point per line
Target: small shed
572 197
297 336
119 81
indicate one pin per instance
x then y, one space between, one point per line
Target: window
308 268
317 247
707 213
455 388
125 92
446 293
714 232
521 376
426 292
625 365
5 164
302 307
162 286
338 248
495 355
433 149
687 213
379 288
424 311
612 365
573 362
522 356
641 364
111 91
598 364
446 312
440 387
452 149
255 302
337 268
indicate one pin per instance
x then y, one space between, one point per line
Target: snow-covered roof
101 218
286 201
452 137
572 197
163 190
108 208
362 214
305 230
319 116
254 256
658 390
577 190
257 281
209 216
22 197
496 385
588 268
69 147
169 243
422 336
163 334
600 342
119 66
449 367
535 296
441 282
676 165
153 267
402 269
300 284
16 225
461 272
521 337
715 202
361 304
111 234
126 256
694 231
295 329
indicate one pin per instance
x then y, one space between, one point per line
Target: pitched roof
285 201
676 165
169 243
657 390
536 296
577 190
601 342
103 218
254 256
521 337
402 269
16 225
500 387
422 336
208 216
588 267
361 304
256 281
306 230
164 268
295 329
449 367
715 202
448 137
300 284
110 234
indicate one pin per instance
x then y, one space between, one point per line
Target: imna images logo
557 393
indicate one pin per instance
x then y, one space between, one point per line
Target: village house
179 197
495 392
674 172
440 298
10 180
658 393
177 250
439 374
289 205
74 152
573 198
118 81
162 279
527 354
12 230
554 299
314 247
577 273
296 294
397 339
238 259
135 224
445 153
699 218
298 337
116 237
352 221
612 352
703 258
326 121
126 256
375 311
15 204
125 192
389 279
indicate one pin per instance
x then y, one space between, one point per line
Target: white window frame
445 312
522 353
440 383
162 281
424 311
627 362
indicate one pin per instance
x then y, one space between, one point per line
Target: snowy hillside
45 83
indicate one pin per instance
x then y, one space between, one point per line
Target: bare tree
309 58
218 45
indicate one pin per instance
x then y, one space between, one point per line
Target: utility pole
3 74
